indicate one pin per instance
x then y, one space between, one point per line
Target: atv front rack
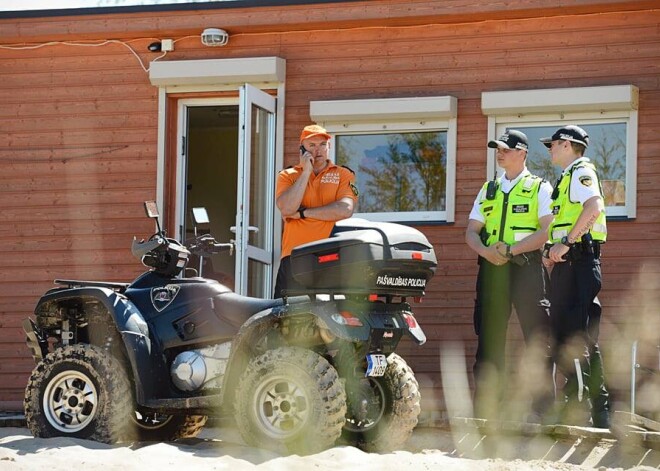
120 287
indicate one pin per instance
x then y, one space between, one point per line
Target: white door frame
190 76
250 95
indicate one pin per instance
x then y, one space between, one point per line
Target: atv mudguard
374 316
129 321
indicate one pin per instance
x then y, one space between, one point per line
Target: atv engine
200 369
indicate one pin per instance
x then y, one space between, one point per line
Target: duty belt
578 250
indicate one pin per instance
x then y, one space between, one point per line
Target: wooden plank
75 161
73 199
80 212
64 182
636 419
127 227
117 91
94 258
27 109
81 122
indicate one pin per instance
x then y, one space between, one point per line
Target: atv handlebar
205 245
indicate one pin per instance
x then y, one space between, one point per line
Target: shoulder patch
586 180
349 169
354 188
290 170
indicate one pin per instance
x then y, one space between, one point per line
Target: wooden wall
78 137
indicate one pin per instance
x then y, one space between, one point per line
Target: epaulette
349 169
529 181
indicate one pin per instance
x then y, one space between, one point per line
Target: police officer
507 227
576 235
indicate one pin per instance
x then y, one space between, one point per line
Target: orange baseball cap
313 130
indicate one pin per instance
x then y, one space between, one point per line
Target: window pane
607 151
397 172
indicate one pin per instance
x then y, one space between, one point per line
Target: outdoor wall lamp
214 37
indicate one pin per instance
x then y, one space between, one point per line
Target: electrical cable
96 44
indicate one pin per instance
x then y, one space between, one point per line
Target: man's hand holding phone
306 159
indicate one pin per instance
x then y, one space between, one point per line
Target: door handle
254 229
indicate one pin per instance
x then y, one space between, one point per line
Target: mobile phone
302 149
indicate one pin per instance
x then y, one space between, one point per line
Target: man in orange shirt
311 196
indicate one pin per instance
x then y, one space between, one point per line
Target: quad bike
151 360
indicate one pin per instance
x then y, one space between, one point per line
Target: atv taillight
373 297
332 257
417 256
410 321
346 318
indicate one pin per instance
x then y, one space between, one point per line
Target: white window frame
559 106
396 115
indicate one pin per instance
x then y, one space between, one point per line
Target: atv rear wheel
383 411
290 400
154 427
78 391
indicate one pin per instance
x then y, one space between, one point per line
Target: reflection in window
607 151
397 172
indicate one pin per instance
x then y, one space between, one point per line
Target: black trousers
499 288
575 317
285 280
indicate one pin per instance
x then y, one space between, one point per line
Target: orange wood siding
78 138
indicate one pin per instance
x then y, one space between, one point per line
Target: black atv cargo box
365 257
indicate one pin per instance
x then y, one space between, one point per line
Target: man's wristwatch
301 211
564 240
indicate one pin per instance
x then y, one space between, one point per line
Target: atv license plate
376 365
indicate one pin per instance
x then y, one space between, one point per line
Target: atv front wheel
78 391
383 411
290 400
154 427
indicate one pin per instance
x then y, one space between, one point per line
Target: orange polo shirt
330 185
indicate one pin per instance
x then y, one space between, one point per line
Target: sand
222 448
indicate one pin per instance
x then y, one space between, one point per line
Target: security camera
214 37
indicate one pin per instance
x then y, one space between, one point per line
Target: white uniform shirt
505 185
584 182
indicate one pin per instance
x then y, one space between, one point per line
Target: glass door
256 185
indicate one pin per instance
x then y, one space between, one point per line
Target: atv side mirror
200 216
151 209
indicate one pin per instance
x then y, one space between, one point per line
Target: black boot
601 419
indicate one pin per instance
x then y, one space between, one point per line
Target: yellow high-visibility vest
567 212
510 217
